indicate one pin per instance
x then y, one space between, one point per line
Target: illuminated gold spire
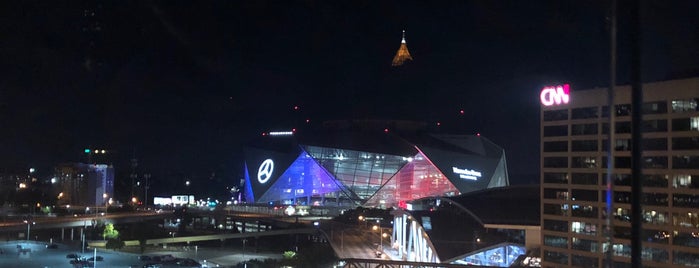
403 54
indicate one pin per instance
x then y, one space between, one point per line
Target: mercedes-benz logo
264 173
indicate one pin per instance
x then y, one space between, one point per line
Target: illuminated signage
468 174
555 95
264 172
281 133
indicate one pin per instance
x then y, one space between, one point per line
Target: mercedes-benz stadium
382 168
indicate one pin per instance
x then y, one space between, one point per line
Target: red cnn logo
555 95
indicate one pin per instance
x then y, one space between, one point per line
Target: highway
78 220
350 241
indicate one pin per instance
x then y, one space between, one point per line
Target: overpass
378 263
221 237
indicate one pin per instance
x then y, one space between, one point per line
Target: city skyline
182 86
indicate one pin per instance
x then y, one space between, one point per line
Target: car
151 265
144 258
99 258
379 254
52 246
72 256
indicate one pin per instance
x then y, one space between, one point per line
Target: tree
114 243
109 232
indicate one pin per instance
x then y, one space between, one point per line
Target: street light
29 224
245 263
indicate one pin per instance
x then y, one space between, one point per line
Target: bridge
214 237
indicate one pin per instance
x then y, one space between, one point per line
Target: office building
574 141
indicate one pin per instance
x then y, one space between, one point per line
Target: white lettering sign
555 95
264 172
468 174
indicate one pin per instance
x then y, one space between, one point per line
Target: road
353 241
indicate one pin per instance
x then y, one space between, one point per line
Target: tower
402 55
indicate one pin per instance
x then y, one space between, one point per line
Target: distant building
84 184
369 163
402 55
574 142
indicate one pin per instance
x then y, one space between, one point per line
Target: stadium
378 164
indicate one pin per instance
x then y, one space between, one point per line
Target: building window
584 162
556 115
684 258
584 195
655 180
622 232
620 179
686 143
654 144
685 181
555 241
559 178
555 162
689 220
655 254
685 124
658 107
556 209
686 239
582 261
554 225
622 197
583 228
555 131
683 106
622 251
561 194
619 145
654 126
584 146
555 146
584 244
622 127
583 129
655 162
619 162
685 162
655 199
555 257
583 211
623 109
685 200
584 178
655 217
584 113
622 214
655 236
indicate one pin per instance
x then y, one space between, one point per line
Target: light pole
382 236
245 263
29 224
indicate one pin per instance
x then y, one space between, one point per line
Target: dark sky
182 84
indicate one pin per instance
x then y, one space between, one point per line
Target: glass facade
303 179
500 256
363 173
331 176
417 179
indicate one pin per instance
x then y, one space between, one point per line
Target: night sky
183 84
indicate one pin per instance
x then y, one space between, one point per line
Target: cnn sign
555 95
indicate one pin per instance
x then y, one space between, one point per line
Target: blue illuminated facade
502 255
349 169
